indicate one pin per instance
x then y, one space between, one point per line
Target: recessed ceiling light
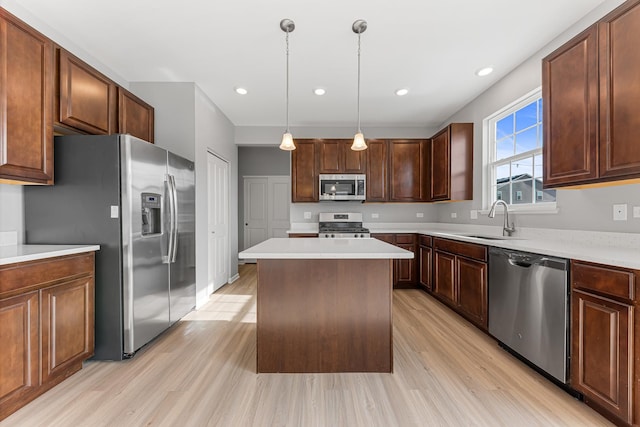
319 91
484 71
241 91
402 92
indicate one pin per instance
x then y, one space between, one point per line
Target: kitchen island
324 305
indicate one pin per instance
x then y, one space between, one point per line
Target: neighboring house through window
513 156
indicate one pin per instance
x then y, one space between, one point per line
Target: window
513 156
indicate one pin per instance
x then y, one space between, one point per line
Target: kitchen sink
475 236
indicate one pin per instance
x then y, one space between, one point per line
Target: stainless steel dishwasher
528 307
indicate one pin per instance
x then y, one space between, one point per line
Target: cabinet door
440 166
86 98
329 156
602 352
425 267
26 103
135 116
67 319
472 290
405 269
406 171
20 350
444 277
377 171
570 113
619 58
304 179
353 161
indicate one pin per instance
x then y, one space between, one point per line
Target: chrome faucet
507 229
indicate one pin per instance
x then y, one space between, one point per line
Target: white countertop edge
269 255
24 253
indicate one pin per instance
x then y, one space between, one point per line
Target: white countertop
315 248
21 253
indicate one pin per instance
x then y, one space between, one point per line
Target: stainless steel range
341 225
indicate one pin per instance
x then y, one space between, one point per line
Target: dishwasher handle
527 261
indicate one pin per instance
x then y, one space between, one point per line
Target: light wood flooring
202 373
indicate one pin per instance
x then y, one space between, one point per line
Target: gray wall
588 209
258 161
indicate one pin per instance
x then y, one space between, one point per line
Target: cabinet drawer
468 250
295 235
384 237
617 282
406 239
425 241
37 274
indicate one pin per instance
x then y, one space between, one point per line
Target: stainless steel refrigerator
137 201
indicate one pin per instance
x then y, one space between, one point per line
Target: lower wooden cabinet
460 278
424 263
296 235
405 271
46 325
604 342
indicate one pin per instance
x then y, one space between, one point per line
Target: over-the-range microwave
342 187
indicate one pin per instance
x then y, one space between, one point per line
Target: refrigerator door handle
166 259
174 217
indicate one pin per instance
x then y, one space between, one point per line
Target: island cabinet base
324 315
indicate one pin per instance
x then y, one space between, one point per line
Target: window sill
546 209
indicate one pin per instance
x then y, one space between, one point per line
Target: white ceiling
431 47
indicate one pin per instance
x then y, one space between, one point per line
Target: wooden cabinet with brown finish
604 343
377 171
26 103
425 259
407 170
451 163
336 156
298 235
304 178
135 116
405 272
47 324
591 91
460 278
85 99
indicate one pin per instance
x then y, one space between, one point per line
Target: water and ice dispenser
151 214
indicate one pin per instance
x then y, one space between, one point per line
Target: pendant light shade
359 27
287 25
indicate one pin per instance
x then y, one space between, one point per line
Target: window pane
502 192
547 195
521 191
540 110
504 127
522 169
503 173
527 116
504 148
527 140
537 166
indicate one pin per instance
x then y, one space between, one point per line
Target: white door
218 188
255 210
266 208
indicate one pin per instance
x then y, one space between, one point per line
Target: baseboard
233 279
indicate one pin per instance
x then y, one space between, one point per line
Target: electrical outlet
636 211
454 215
620 212
307 215
419 215
374 215
473 214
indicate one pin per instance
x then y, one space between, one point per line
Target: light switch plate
307 215
454 215
620 212
419 215
374 215
473 214
636 211
115 212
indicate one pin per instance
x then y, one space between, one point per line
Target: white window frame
488 174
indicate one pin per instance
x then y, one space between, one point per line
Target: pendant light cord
287 38
359 33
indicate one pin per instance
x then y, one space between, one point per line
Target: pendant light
359 27
287 25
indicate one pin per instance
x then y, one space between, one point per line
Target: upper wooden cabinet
377 171
135 116
26 103
407 171
451 163
591 91
86 100
304 178
336 156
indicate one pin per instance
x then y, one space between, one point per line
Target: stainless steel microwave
342 187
